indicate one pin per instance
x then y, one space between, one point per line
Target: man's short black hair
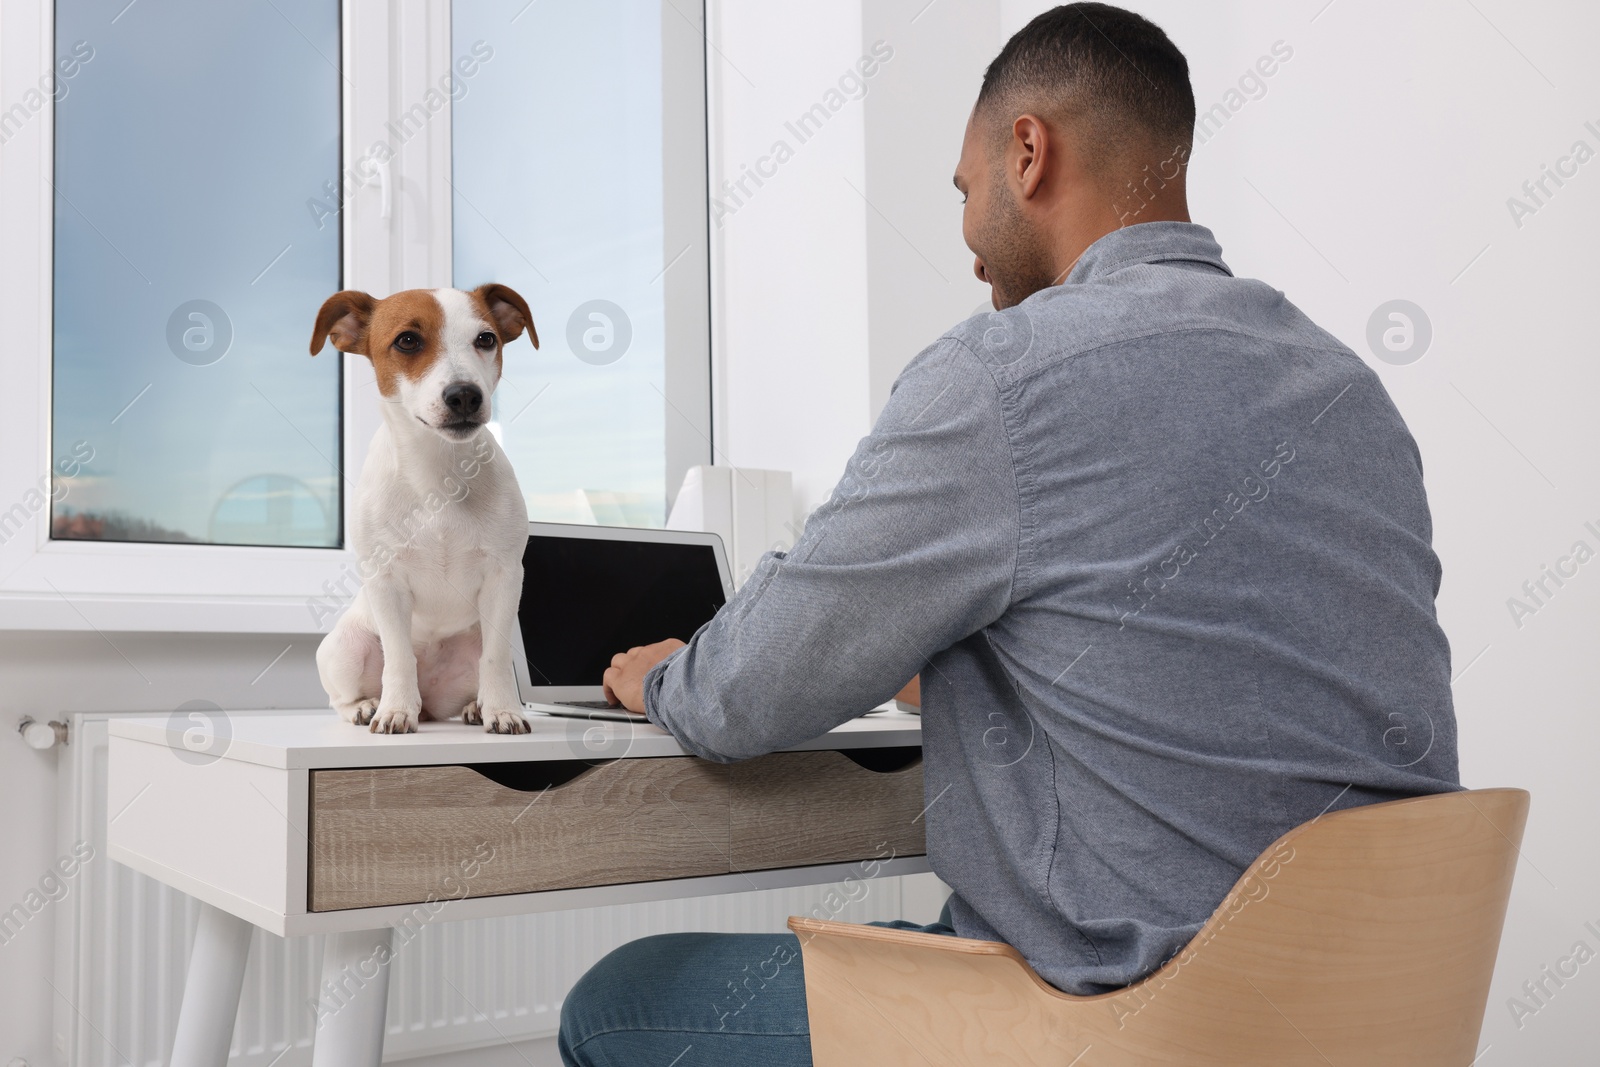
1111 67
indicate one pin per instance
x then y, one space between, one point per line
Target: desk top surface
317 738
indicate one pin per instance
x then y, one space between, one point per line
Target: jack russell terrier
439 523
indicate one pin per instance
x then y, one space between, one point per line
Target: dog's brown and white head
437 352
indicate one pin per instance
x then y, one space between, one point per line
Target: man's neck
1105 212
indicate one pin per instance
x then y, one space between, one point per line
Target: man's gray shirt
1160 548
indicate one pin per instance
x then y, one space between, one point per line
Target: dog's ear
343 320
510 312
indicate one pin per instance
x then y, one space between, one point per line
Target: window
569 206
185 182
187 270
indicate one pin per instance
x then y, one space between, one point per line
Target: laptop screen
586 599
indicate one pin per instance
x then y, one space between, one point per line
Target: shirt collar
1148 242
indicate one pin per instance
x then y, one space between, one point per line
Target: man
1157 543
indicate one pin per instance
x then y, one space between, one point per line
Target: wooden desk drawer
792 809
404 835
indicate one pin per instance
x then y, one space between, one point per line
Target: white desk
234 813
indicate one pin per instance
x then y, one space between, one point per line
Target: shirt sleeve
915 550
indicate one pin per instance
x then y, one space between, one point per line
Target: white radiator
123 948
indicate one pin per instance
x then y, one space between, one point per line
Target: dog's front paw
359 712
472 714
504 722
395 721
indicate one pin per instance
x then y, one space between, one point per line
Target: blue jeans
696 1000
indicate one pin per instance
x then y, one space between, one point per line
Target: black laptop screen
584 600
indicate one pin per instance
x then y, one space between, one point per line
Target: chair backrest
1366 936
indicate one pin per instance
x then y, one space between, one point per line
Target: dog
439 524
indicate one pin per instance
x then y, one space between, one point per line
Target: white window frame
48 584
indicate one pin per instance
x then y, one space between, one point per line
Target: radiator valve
42 735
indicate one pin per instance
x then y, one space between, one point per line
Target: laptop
589 592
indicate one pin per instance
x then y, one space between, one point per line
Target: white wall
919 270
789 290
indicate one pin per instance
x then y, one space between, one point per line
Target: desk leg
211 990
354 997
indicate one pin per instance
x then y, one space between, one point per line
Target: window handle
385 187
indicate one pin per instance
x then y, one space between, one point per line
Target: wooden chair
1363 938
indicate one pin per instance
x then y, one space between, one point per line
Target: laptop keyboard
598 705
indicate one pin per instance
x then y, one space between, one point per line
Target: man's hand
624 679
912 693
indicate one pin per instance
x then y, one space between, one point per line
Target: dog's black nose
463 398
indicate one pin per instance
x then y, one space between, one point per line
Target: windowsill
172 614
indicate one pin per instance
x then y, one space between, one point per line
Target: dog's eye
486 340
409 341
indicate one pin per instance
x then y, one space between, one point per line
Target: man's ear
1030 143
510 312
343 320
